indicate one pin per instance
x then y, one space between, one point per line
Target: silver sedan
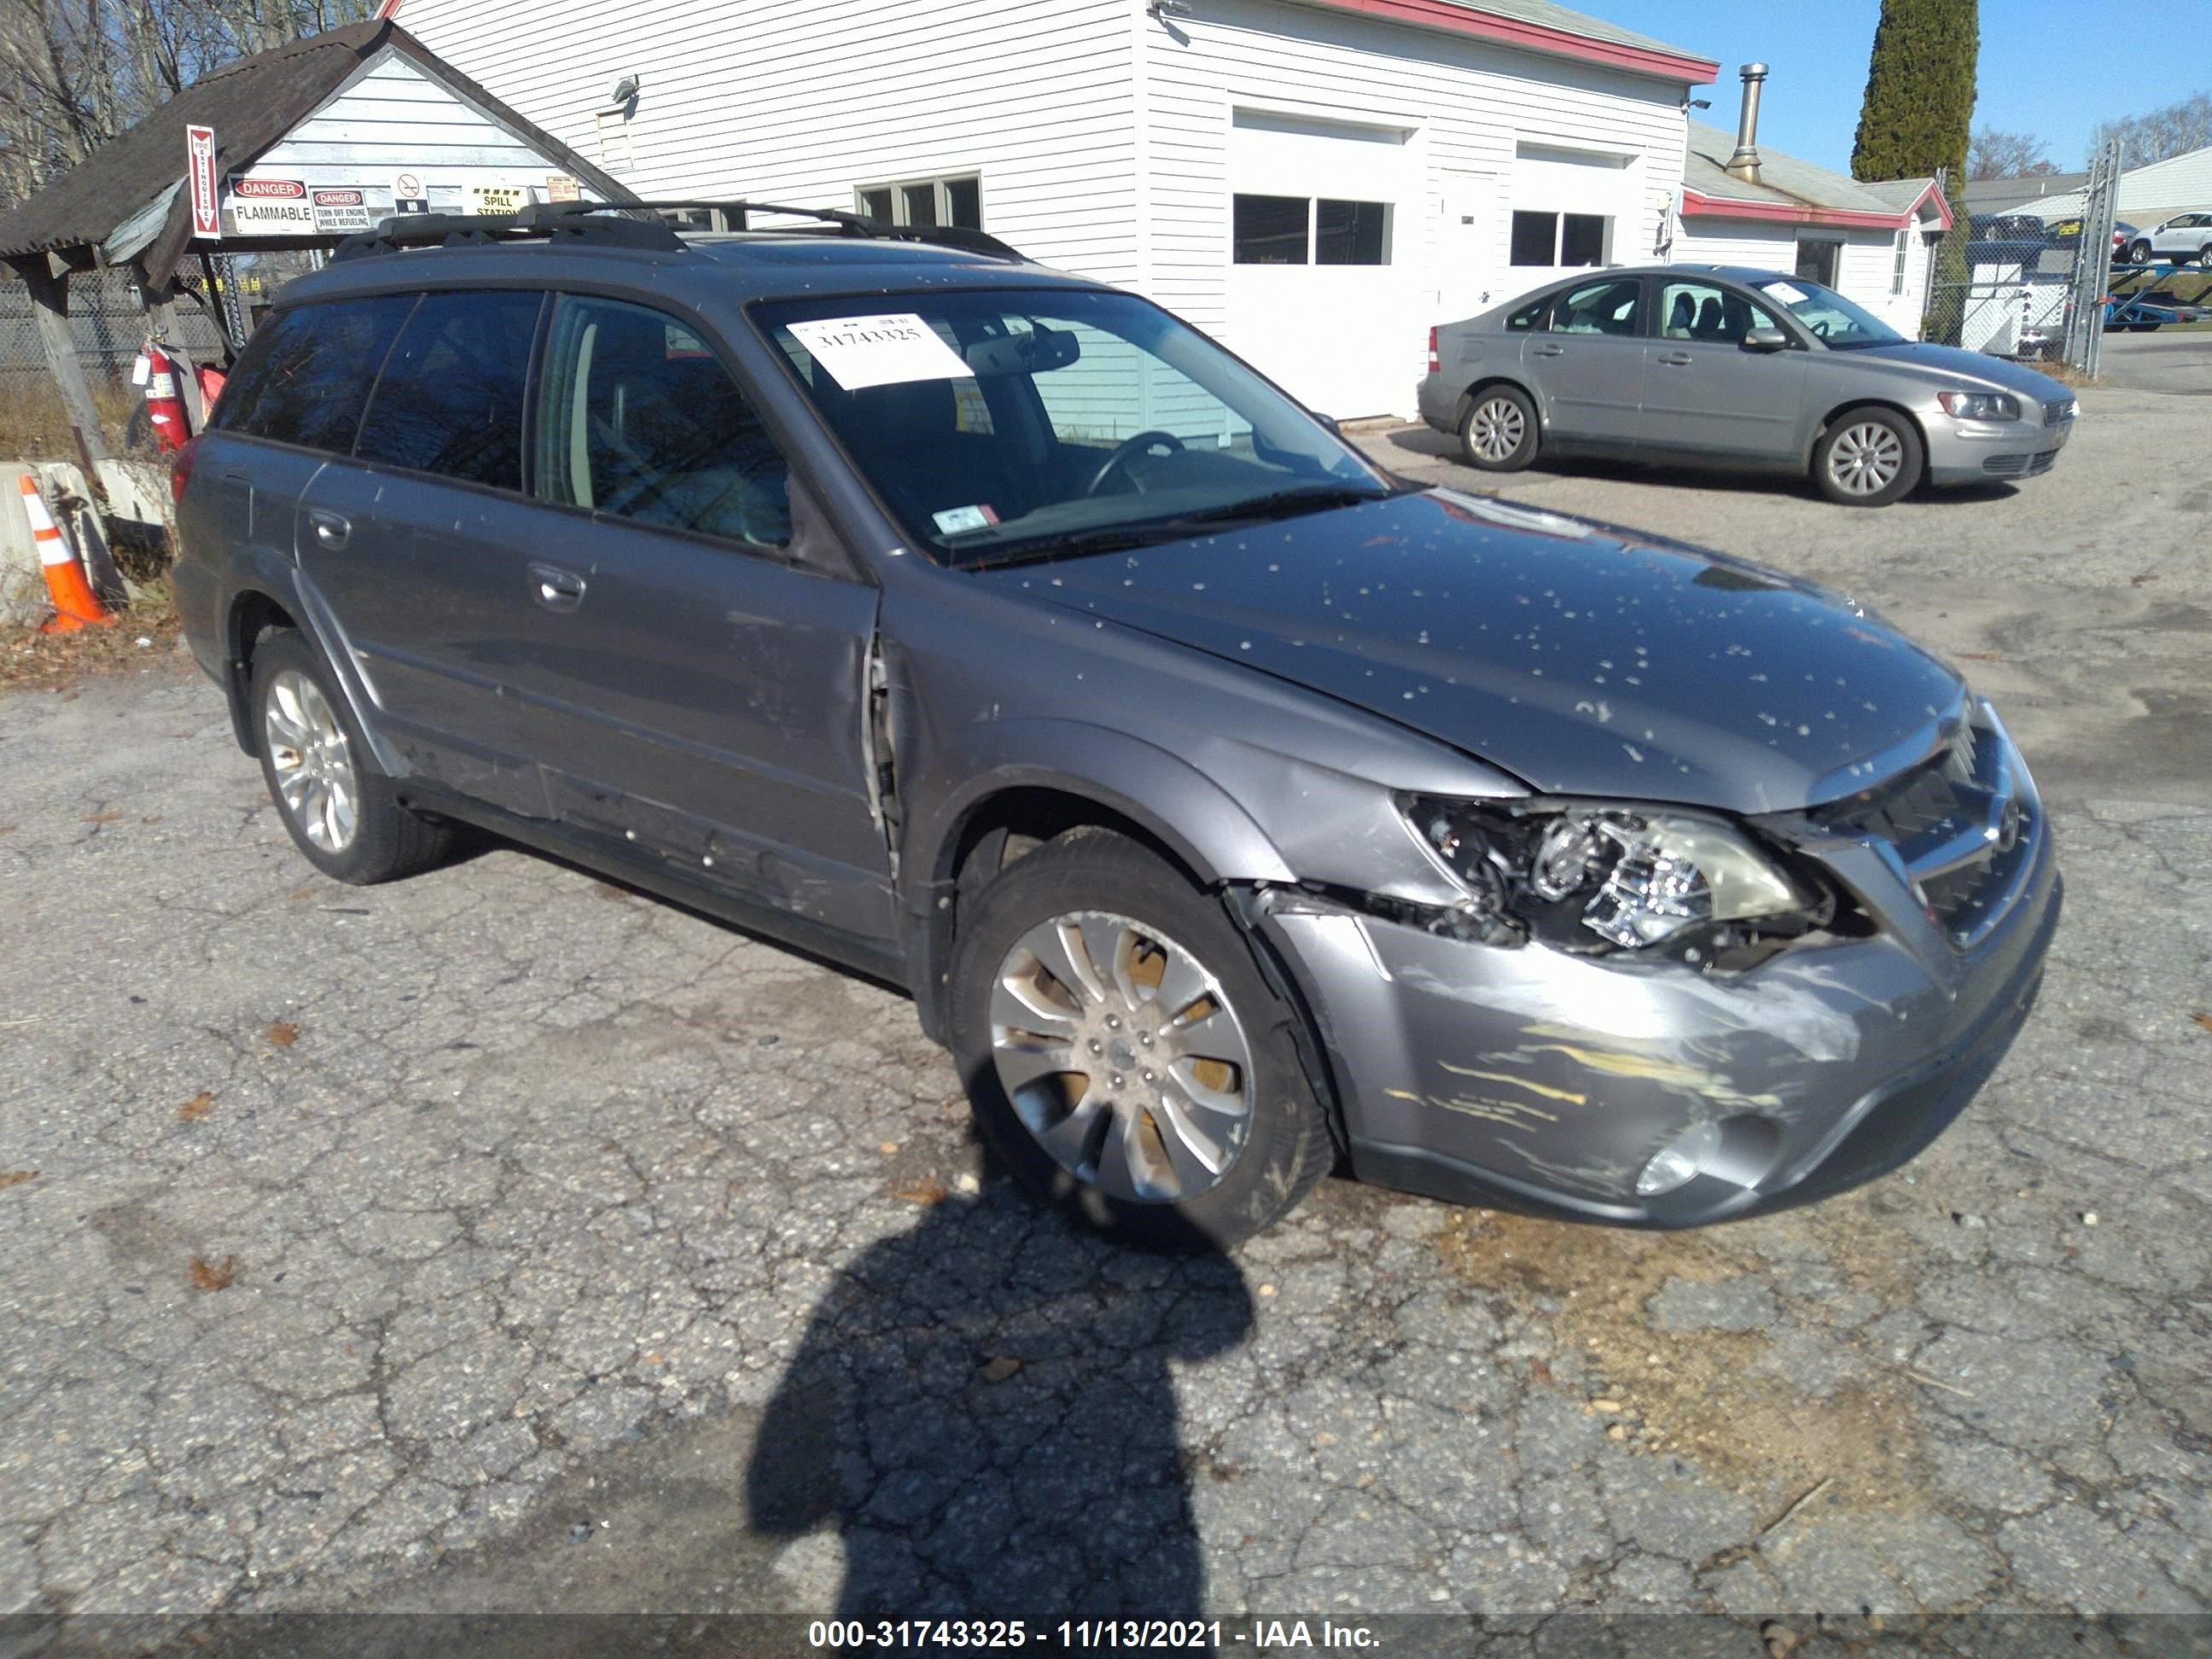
1746 369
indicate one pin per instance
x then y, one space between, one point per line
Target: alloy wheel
1496 428
1121 1055
313 763
1866 459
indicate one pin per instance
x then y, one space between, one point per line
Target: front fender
1189 812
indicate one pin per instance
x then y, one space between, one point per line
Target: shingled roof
251 104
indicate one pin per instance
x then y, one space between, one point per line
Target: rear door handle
1549 350
330 528
1678 359
555 588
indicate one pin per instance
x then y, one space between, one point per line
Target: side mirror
1766 339
1328 421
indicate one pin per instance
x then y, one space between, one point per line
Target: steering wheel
1820 329
1127 451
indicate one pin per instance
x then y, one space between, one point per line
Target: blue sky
2050 68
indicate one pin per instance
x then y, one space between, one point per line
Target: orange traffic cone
75 603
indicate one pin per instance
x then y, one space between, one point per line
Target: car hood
1974 365
1584 660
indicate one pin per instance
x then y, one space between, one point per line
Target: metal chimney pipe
1744 164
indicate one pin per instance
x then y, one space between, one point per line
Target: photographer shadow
983 1407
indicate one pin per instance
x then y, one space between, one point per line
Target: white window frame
938 182
1560 217
1899 260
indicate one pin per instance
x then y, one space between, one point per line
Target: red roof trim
1533 37
389 8
1698 205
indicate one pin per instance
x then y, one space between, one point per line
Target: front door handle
1678 359
555 588
330 528
1549 350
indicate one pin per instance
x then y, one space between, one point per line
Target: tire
1868 456
2204 256
2139 253
1257 1136
341 813
1499 434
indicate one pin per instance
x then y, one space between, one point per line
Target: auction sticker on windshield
865 351
1784 292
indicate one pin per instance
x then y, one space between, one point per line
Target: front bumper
1982 452
1529 1079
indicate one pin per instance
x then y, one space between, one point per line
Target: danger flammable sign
269 207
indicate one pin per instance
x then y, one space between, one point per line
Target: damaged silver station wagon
1230 807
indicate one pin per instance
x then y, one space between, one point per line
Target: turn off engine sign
269 207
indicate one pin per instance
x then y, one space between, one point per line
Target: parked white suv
2184 237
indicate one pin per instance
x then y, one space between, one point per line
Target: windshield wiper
1115 539
1285 503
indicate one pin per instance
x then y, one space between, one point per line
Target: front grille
1959 823
2041 464
2057 410
2006 466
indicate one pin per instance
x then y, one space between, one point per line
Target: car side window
1701 311
638 418
451 397
1600 308
1529 318
305 377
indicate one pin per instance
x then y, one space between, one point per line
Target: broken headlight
1609 878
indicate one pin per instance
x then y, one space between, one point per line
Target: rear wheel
1868 456
1499 434
341 813
2139 253
1125 1055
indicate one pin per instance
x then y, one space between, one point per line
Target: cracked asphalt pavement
505 1240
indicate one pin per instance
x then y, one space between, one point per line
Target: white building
1314 181
1871 243
2149 195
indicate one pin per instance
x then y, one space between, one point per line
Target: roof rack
624 224
484 230
738 214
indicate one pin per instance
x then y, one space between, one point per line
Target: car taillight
180 468
1436 364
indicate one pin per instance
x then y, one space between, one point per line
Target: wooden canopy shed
314 141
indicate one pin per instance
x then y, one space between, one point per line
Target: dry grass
30 661
32 426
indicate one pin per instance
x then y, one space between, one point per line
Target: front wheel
342 814
1869 456
1498 432
1125 1055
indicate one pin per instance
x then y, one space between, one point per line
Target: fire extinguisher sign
199 170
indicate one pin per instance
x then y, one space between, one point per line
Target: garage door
1322 240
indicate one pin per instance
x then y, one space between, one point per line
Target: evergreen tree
1914 123
1920 91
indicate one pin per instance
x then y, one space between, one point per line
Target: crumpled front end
1526 1075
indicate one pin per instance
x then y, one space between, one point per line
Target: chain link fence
2031 285
107 326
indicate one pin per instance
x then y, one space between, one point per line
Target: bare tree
73 74
2175 129
1992 154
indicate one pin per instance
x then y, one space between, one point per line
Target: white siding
1469 104
391 116
802 102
